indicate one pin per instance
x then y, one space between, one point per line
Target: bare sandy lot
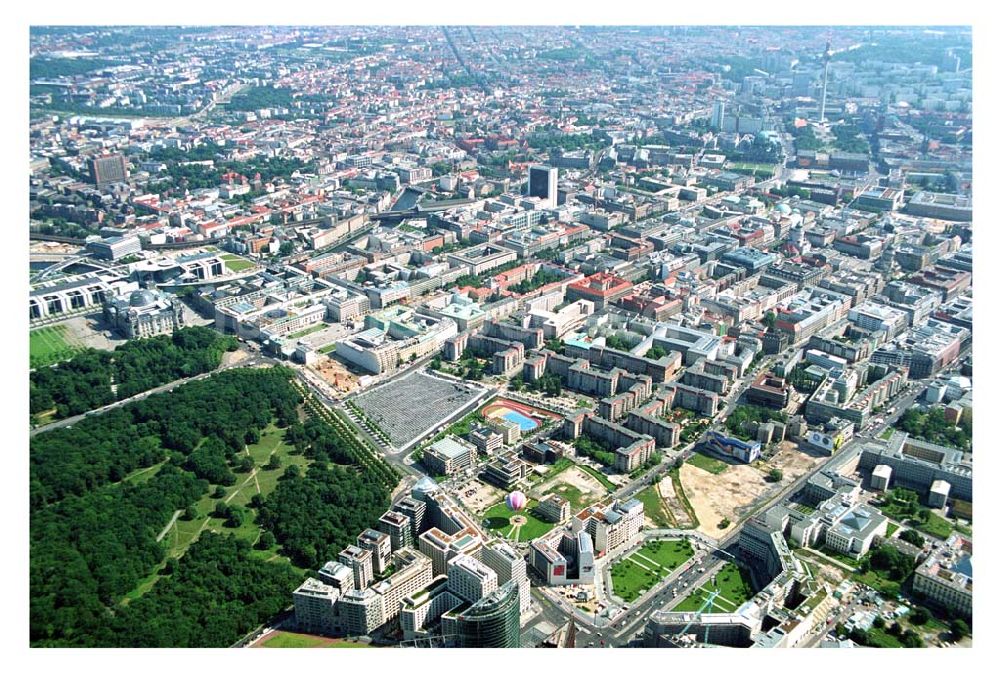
43 247
715 497
666 487
794 462
233 357
673 504
590 489
333 372
478 496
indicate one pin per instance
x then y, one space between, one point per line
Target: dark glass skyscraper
492 622
542 182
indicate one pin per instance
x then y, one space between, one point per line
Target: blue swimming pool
522 420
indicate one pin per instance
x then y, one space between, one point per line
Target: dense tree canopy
315 515
932 426
85 382
89 550
103 449
93 543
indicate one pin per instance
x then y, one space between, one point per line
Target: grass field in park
647 566
712 465
733 584
51 344
498 519
237 264
575 497
182 531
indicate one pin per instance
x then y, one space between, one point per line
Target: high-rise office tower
718 114
492 622
542 182
470 579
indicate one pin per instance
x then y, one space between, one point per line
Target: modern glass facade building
493 621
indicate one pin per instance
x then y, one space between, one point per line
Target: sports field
49 345
733 584
526 417
647 566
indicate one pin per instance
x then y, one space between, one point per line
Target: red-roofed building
476 293
601 288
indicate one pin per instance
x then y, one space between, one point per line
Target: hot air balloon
516 500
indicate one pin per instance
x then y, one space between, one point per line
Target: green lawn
935 525
237 263
308 330
288 640
881 639
644 568
328 349
712 465
143 474
294 640
752 166
577 499
560 465
498 519
891 529
653 505
839 556
733 584
49 345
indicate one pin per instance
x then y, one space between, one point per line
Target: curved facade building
493 621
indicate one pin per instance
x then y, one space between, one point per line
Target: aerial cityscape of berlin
487 336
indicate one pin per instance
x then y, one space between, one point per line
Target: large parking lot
409 406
